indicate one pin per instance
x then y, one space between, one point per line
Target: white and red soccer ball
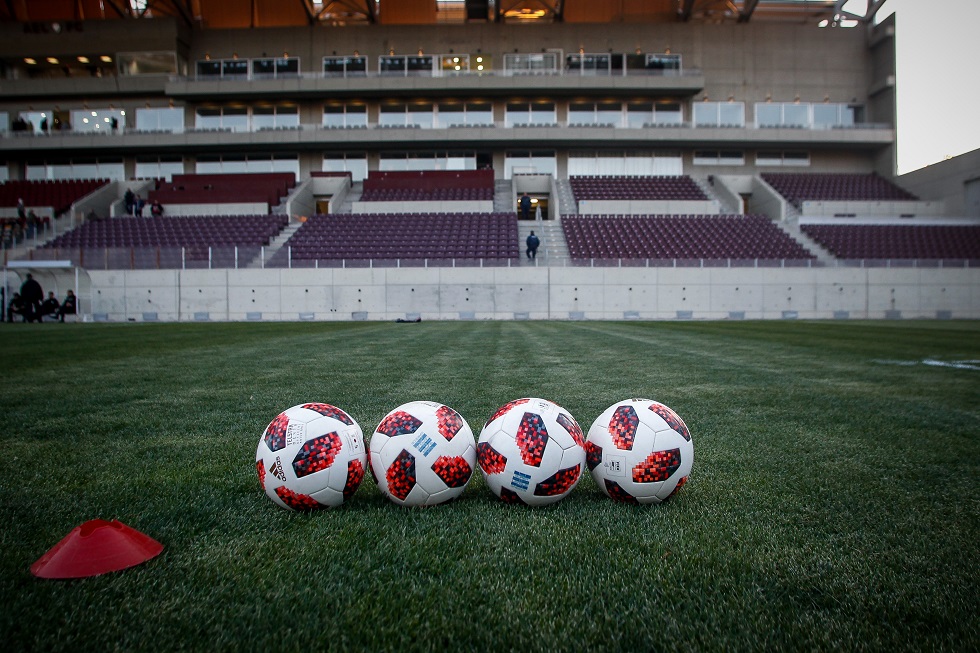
639 451
531 451
311 456
423 453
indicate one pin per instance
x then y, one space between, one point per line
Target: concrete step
792 227
504 199
276 244
565 197
353 195
553 249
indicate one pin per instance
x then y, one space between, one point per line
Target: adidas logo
424 444
276 470
520 481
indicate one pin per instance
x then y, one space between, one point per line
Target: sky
937 84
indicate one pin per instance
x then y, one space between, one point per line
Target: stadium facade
585 90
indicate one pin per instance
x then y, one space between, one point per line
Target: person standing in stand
525 204
129 199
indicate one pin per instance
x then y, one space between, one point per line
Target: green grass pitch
834 502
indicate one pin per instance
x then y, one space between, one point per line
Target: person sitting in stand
49 306
156 209
68 306
16 307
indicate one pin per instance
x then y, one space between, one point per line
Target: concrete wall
747 61
302 199
461 206
766 201
647 207
533 293
948 182
39 211
881 208
231 208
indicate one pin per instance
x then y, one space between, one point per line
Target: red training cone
96 547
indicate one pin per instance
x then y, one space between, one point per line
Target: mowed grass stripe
833 502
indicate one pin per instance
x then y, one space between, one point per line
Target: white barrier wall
648 207
533 293
236 208
440 206
39 211
894 209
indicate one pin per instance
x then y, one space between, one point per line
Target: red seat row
835 187
675 237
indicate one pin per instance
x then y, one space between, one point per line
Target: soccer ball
422 454
531 451
311 456
639 451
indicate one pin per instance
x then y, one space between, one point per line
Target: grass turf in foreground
833 501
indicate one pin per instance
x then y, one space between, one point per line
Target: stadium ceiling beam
686 9
873 7
311 12
123 13
747 8
17 11
183 9
869 12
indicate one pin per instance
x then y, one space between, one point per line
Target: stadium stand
166 242
665 165
895 241
406 236
225 188
679 237
245 230
598 187
428 185
59 194
800 187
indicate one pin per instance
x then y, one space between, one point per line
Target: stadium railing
191 258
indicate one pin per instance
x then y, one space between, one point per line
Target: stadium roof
223 14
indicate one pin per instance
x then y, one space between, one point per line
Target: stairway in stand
275 244
353 195
504 200
553 249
